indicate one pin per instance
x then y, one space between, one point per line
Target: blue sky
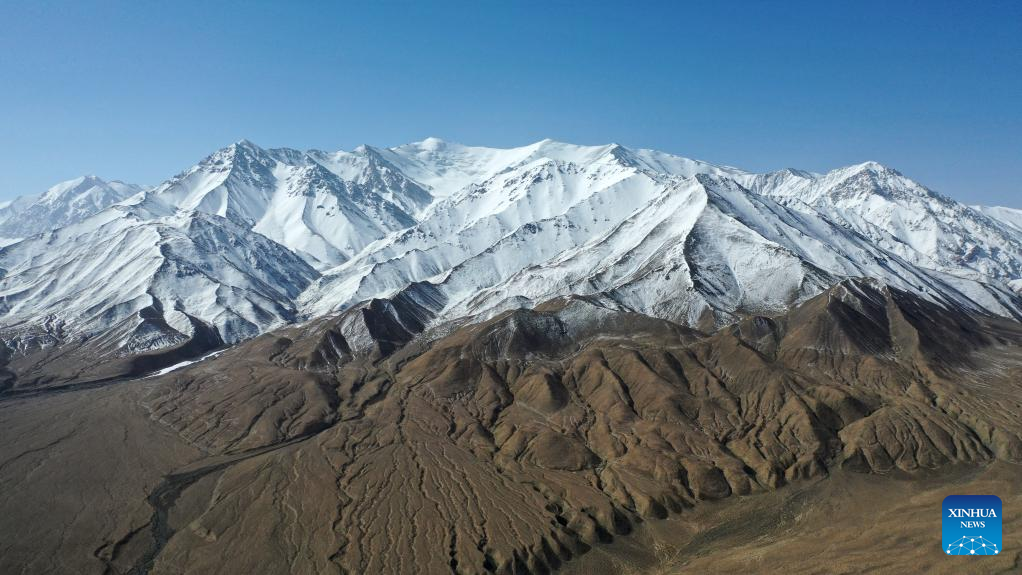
141 90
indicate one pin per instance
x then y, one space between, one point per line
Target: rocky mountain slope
520 443
146 275
438 358
65 203
277 236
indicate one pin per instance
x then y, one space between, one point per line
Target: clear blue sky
141 90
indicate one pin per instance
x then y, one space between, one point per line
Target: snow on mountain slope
1010 217
470 221
370 171
250 238
297 200
903 217
65 203
664 235
446 168
133 263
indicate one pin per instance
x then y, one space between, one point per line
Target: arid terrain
510 288
848 523
570 437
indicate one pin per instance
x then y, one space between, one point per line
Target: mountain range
438 358
65 203
251 239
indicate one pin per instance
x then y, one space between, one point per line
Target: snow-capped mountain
667 236
65 203
903 217
252 238
1010 217
324 207
129 264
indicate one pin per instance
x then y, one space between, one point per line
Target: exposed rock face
514 445
249 240
450 359
846 523
42 359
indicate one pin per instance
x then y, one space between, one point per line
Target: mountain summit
250 239
438 358
65 203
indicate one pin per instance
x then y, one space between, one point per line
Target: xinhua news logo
972 525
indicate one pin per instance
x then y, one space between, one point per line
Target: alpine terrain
438 358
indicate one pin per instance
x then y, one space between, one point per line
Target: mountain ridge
440 358
498 229
63 204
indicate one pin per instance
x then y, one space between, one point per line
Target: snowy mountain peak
797 172
240 153
871 169
250 237
857 183
72 187
1011 217
871 166
323 206
432 143
65 203
245 147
